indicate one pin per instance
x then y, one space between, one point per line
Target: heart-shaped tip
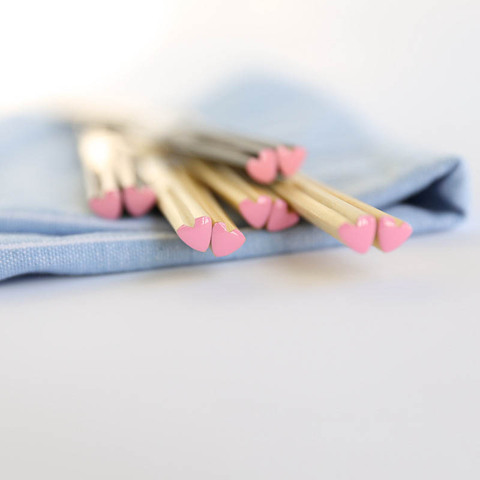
280 217
359 237
197 237
224 242
138 200
256 213
290 159
109 206
264 168
391 235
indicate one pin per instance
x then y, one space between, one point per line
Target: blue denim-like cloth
46 227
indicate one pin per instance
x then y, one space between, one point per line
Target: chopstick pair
391 232
261 160
190 208
259 207
111 180
352 222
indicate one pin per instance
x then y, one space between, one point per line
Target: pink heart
290 159
109 206
138 200
359 237
225 242
264 168
280 217
391 235
256 213
197 237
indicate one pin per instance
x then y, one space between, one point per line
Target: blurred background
409 67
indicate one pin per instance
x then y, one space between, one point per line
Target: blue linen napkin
46 227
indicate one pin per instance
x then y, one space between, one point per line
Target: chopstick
138 198
262 161
226 237
182 210
255 208
96 150
289 158
281 215
357 235
391 232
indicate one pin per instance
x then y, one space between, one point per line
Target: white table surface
315 365
321 365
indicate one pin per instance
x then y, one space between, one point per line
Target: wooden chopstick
351 212
235 190
183 211
357 236
288 157
138 198
262 168
192 147
97 149
239 142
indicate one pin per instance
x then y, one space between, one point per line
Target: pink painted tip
391 235
109 206
280 217
290 159
138 200
256 213
264 168
197 237
225 242
359 237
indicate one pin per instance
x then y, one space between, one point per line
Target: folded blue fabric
46 227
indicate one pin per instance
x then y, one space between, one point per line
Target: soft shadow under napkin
45 225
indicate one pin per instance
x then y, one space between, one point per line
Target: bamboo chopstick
391 231
183 211
358 236
255 208
262 169
96 149
137 197
261 160
289 158
352 213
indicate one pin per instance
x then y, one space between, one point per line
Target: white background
318 365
